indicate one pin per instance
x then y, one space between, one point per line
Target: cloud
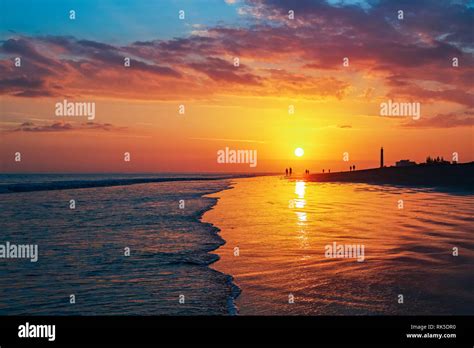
449 120
230 140
414 92
279 57
220 70
29 126
58 66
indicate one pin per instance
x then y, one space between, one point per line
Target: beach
281 228
454 176
230 245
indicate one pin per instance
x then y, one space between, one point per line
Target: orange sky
159 139
337 108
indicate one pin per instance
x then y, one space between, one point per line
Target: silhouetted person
329 170
291 171
323 170
286 171
354 167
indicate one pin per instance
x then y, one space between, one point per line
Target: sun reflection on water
302 217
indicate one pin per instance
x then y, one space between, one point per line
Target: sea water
81 251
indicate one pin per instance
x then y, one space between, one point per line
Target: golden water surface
276 231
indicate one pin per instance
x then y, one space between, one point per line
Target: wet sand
282 227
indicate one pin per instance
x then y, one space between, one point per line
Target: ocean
82 250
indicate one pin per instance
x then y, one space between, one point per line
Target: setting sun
299 152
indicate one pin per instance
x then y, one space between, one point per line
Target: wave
79 184
171 248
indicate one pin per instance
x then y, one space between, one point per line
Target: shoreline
80 184
452 176
235 290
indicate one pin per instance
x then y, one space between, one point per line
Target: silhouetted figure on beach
286 171
354 167
323 171
329 170
291 171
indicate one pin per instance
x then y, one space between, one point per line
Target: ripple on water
407 251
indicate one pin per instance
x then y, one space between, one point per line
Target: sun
299 152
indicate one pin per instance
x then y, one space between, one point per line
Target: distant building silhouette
405 163
436 160
381 157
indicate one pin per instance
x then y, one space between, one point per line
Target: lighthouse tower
381 157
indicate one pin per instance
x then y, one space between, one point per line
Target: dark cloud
221 70
408 55
20 82
450 120
95 45
55 127
34 93
25 49
64 127
413 92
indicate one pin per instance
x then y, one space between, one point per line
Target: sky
334 63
